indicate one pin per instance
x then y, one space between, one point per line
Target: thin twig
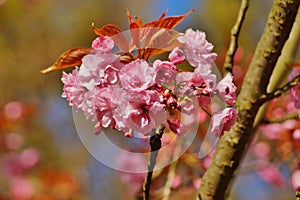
288 116
172 171
155 145
297 195
235 31
278 92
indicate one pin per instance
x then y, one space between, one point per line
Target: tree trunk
234 143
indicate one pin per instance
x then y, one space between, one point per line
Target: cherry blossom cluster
141 96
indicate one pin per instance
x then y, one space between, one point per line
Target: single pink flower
296 180
88 106
271 131
296 134
261 150
200 83
226 90
21 188
13 110
10 166
29 158
103 45
99 70
207 161
295 91
144 112
197 183
137 76
271 175
187 106
73 91
222 121
177 127
197 48
176 56
104 107
165 71
176 181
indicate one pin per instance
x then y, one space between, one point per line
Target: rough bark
233 144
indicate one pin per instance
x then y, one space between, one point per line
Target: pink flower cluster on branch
141 96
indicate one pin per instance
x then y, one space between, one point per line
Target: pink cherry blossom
177 127
226 89
271 175
79 96
103 45
176 56
104 108
295 91
222 121
13 110
99 70
200 83
21 188
271 131
188 106
201 77
165 71
10 166
296 134
296 180
197 48
261 150
29 158
137 76
144 112
176 182
74 92
88 105
197 183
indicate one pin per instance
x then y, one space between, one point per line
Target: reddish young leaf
169 22
107 30
114 32
69 58
155 36
137 22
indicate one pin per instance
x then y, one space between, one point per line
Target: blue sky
176 7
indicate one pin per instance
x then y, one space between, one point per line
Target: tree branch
289 116
281 69
155 145
278 92
233 144
297 195
235 31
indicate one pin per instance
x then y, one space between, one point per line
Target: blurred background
41 155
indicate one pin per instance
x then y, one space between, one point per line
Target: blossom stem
206 111
235 31
155 145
